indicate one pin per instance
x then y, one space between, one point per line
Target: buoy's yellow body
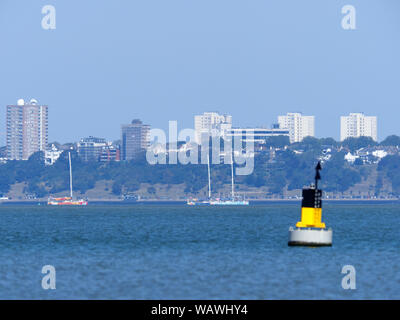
311 218
311 209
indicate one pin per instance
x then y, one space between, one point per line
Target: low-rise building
90 149
51 155
110 153
256 135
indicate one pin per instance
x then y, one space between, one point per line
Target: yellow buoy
310 230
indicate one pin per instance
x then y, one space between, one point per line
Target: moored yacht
67 201
219 202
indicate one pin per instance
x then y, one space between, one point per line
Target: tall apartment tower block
299 126
27 129
358 125
212 124
135 139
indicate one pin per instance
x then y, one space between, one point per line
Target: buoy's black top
312 197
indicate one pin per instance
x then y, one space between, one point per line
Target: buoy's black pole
317 175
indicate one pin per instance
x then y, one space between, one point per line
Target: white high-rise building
27 126
299 126
358 125
211 123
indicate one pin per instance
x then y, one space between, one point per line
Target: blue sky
111 61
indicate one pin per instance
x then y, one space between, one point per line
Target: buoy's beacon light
310 231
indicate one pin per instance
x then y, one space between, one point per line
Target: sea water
182 252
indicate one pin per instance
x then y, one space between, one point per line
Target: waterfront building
358 125
135 139
299 126
256 135
90 149
27 129
211 124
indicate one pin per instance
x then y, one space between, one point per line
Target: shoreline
183 202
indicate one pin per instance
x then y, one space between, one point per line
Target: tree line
277 167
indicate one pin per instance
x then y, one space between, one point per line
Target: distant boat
233 201
67 201
229 203
218 202
130 198
195 202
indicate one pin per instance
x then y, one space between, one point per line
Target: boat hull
68 203
198 203
218 203
229 203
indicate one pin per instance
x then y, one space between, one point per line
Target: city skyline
27 132
170 65
281 120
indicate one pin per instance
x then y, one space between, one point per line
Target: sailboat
67 201
233 201
219 202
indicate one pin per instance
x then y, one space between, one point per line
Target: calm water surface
178 252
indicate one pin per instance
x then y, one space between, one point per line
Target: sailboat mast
233 182
209 176
70 174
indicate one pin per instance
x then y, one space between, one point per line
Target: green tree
392 140
277 141
354 144
307 144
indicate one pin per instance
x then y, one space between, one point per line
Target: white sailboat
219 202
233 201
67 201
